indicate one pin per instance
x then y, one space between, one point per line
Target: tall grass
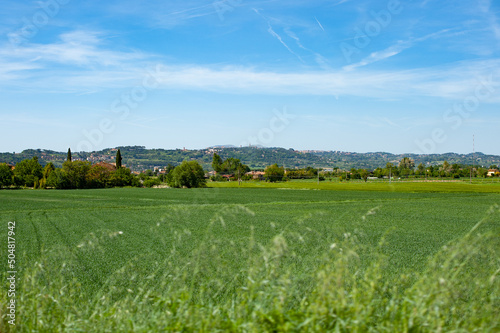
340 292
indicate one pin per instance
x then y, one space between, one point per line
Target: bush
123 177
274 173
6 175
246 177
150 182
188 174
58 179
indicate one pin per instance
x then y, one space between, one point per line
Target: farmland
286 257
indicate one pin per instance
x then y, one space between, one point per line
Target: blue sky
396 76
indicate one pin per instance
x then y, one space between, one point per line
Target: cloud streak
319 23
278 37
430 82
80 48
393 50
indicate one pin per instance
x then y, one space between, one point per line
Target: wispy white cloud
489 16
319 59
393 50
10 70
80 62
278 37
379 55
82 48
319 23
292 35
275 34
164 14
455 82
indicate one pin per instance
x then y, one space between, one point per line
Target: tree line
405 169
84 175
189 174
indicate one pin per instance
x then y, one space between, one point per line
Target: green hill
139 158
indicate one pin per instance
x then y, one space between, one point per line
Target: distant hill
139 158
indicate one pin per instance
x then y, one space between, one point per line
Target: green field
264 257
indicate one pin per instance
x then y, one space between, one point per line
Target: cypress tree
69 155
118 159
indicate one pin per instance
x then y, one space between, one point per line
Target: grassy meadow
287 257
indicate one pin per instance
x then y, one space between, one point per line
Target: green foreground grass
355 258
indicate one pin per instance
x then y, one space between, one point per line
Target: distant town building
493 172
256 174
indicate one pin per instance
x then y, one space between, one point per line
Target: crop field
280 257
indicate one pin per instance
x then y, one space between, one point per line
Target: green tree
274 173
123 177
482 172
389 169
188 174
169 168
445 169
27 172
242 169
421 169
230 165
6 175
98 177
364 174
47 170
168 173
69 155
355 174
217 163
234 166
378 172
58 179
431 170
76 173
406 166
118 159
